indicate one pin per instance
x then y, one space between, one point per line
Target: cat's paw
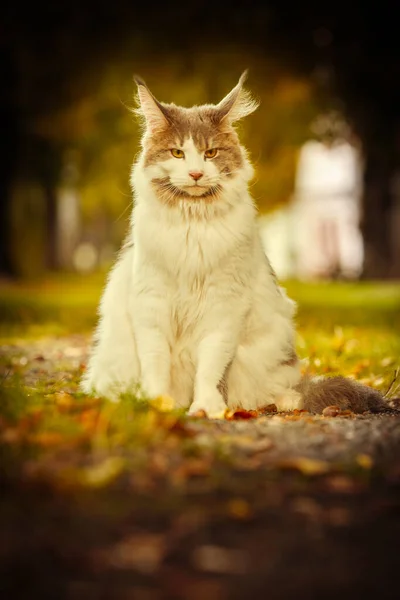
289 401
153 392
212 404
101 386
104 385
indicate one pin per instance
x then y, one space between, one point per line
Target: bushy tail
320 392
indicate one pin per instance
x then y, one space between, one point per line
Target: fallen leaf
182 428
63 400
270 408
346 413
142 552
250 444
194 467
364 461
163 403
199 414
308 507
11 436
307 466
386 362
217 559
218 416
331 411
46 439
239 508
103 473
338 516
240 413
88 417
343 484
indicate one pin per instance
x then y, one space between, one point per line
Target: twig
395 377
395 391
6 375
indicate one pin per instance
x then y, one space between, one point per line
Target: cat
192 308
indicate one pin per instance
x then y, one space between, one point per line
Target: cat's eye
211 153
177 153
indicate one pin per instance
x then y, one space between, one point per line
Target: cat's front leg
215 353
155 361
150 311
113 367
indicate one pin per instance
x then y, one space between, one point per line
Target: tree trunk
51 227
8 155
377 203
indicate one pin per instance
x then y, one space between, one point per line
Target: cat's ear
237 104
154 113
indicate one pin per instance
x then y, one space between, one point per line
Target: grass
342 327
98 483
58 304
67 304
351 329
339 324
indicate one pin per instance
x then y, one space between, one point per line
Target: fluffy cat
192 308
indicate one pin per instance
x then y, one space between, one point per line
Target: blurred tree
8 152
67 66
366 60
352 51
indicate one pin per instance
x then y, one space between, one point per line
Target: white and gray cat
192 308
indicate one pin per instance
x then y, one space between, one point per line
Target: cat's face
191 153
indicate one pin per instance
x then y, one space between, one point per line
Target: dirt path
277 507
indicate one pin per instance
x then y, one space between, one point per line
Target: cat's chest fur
189 253
195 268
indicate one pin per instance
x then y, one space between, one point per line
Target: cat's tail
347 394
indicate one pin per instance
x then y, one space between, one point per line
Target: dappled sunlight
162 479
284 482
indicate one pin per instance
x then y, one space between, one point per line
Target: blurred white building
276 229
318 235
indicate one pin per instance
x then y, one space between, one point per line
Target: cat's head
192 154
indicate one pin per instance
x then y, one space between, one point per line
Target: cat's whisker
123 213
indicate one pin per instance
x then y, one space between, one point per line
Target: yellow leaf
386 362
240 413
102 474
307 466
217 415
11 436
63 400
163 403
47 438
364 461
239 508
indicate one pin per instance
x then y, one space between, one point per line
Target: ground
133 500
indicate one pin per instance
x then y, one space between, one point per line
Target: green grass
351 329
67 303
59 304
339 324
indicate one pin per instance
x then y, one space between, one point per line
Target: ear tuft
139 81
154 113
238 103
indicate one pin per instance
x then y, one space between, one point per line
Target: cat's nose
196 175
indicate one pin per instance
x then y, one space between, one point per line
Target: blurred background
325 141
